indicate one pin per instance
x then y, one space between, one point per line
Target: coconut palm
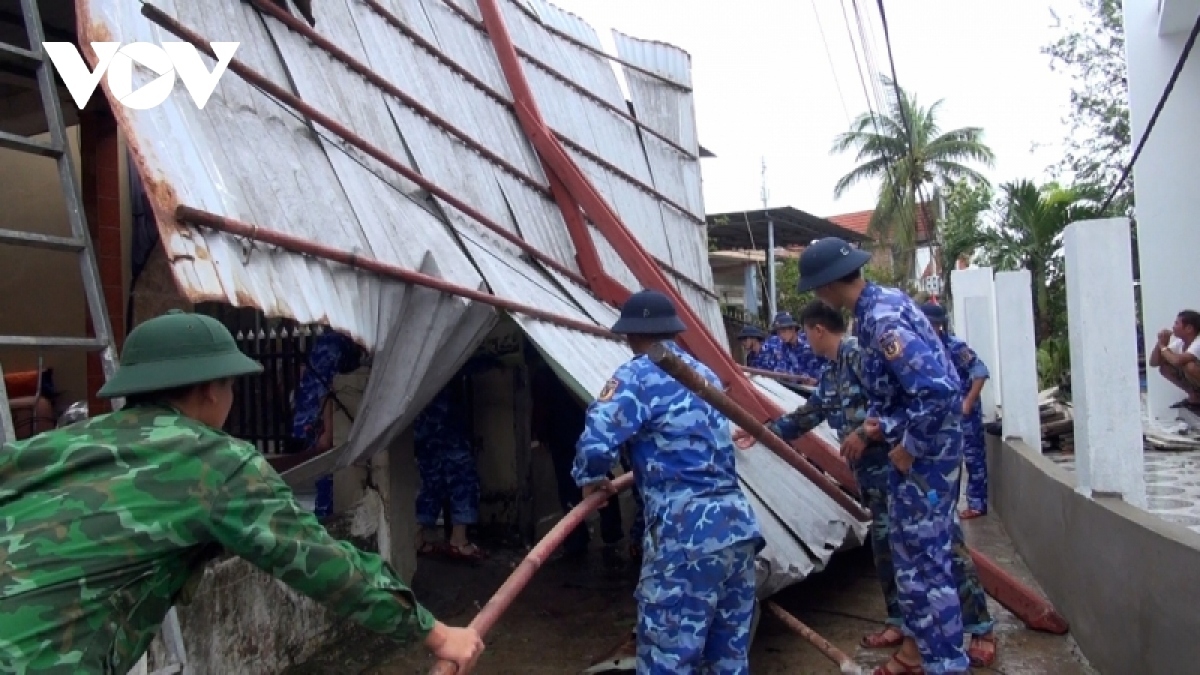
908 165
1028 235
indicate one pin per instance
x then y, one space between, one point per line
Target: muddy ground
575 613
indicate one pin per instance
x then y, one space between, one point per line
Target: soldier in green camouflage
103 523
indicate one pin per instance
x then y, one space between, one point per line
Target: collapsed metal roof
390 133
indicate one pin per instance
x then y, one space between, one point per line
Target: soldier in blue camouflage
696 593
331 353
448 475
840 400
915 406
109 522
788 351
973 373
752 339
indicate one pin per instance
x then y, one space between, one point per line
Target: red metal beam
697 338
302 246
365 71
257 79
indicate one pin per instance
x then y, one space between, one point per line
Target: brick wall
100 182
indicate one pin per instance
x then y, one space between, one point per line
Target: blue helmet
935 313
752 331
827 260
648 312
784 320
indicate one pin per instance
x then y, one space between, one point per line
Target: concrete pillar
1018 357
750 289
1104 382
1166 207
395 475
976 283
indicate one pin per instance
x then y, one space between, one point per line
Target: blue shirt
329 355
439 425
912 386
795 358
682 455
838 399
966 362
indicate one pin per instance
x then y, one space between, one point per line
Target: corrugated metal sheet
246 157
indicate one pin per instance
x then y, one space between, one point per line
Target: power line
1162 101
832 67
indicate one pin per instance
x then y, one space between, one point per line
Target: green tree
967 202
904 148
1091 51
1028 235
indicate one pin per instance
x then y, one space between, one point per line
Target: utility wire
832 67
1162 101
908 128
891 178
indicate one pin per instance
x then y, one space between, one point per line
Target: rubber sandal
880 640
971 514
430 548
909 668
467 553
982 656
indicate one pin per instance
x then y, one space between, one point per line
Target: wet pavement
575 612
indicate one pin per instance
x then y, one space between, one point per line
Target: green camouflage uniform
103 523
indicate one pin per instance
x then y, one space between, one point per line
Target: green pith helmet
175 350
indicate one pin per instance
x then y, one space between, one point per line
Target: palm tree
907 163
1028 235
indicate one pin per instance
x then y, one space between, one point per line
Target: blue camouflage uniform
915 394
758 360
445 463
696 594
331 353
970 368
794 358
839 400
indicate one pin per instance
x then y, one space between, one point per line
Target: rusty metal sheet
248 158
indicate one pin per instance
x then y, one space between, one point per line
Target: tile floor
1172 484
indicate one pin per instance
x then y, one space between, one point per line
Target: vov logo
169 60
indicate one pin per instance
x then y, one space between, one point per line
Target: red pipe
1022 600
672 365
697 339
844 663
556 74
296 244
257 79
516 582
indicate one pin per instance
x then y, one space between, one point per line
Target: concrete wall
1162 178
242 620
1125 579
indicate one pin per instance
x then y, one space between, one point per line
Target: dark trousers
569 495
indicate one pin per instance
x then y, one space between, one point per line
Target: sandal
971 514
467 552
890 636
428 549
982 651
908 668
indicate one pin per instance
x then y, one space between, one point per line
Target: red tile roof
859 221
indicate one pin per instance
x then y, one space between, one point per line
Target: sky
765 87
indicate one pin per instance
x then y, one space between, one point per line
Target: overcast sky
765 87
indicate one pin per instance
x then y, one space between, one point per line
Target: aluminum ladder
34 61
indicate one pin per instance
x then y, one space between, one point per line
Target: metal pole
516 582
827 648
771 292
671 364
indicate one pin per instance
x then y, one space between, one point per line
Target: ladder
33 61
